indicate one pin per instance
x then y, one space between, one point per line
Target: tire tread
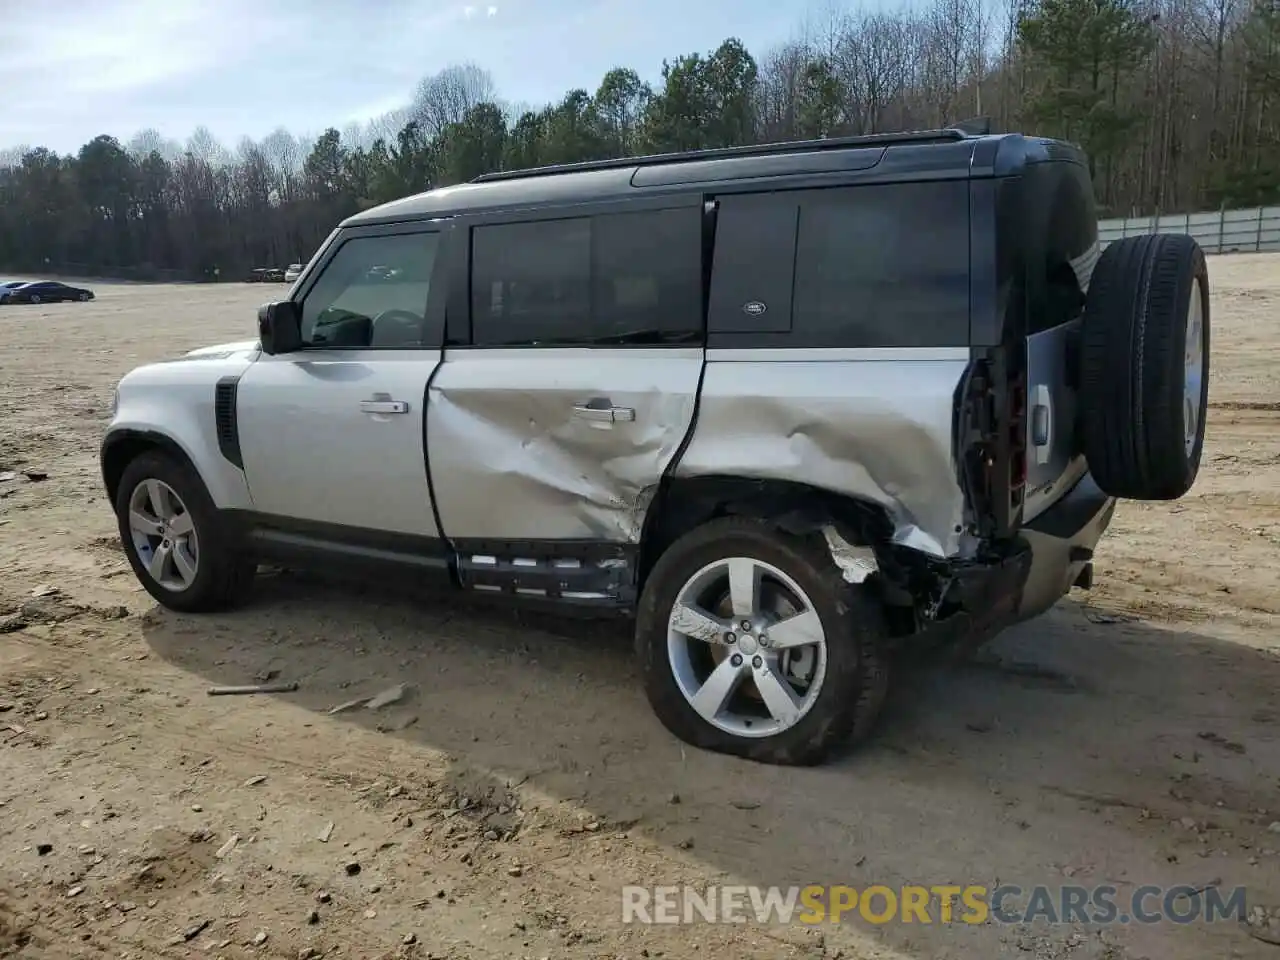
1131 367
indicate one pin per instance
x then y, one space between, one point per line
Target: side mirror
279 327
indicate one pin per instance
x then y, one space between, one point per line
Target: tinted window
531 281
616 278
646 275
883 266
373 293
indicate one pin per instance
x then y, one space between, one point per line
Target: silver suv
789 406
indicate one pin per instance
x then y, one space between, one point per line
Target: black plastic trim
313 543
136 438
1074 511
991 592
524 570
226 421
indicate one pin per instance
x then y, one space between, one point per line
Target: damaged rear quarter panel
874 424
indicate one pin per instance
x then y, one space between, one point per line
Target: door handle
603 413
1042 423
381 405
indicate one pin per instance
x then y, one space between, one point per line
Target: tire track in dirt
460 864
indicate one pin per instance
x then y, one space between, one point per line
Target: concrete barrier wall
1252 230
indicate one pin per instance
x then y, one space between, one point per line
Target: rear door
569 388
1061 249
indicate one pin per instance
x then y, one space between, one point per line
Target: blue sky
76 68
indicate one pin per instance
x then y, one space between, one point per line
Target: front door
550 431
333 434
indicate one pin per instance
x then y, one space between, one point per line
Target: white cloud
115 47
244 67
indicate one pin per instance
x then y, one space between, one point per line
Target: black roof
894 156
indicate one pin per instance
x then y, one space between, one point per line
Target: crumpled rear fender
874 425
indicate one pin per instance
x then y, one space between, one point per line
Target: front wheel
83 298
750 643
169 527
35 298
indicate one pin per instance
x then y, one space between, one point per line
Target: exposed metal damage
855 563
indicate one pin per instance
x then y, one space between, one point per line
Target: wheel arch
683 503
121 447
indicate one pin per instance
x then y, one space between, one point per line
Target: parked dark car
43 291
266 275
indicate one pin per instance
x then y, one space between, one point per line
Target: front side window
373 293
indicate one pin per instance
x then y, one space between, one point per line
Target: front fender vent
224 415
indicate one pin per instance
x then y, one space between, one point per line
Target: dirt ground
1127 737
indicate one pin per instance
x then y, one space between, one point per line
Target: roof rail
946 135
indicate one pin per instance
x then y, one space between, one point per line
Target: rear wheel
750 643
180 552
35 298
1145 367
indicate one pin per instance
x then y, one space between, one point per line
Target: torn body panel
856 425
855 563
556 443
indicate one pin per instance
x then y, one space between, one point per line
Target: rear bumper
1048 557
1062 540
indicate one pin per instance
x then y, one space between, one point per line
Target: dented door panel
556 443
869 423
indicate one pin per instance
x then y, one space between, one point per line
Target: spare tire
1144 378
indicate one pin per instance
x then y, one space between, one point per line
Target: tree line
1176 101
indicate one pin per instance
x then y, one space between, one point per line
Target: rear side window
646 275
611 279
873 266
884 266
531 281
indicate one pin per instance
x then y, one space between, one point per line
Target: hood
222 351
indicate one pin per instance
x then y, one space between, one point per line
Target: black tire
34 298
1133 340
224 577
857 675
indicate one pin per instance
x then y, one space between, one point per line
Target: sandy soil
1127 737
